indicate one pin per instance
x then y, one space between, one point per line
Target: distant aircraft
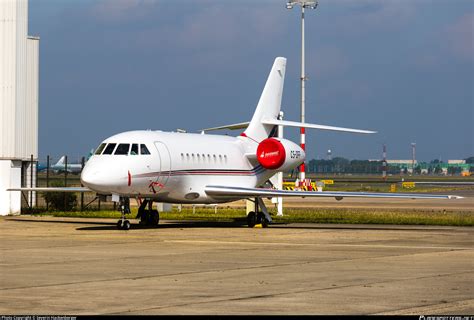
175 167
59 166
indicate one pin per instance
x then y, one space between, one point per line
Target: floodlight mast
310 5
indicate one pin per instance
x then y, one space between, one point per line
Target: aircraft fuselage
178 166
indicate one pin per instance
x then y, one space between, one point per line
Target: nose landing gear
123 223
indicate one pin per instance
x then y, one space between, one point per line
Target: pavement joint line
260 296
320 244
157 276
90 245
223 270
429 308
69 261
444 250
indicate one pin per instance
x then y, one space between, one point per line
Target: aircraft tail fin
61 161
269 105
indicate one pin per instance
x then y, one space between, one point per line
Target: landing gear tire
125 225
154 218
261 219
143 220
148 217
251 219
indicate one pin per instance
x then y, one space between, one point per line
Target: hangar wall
8 48
19 74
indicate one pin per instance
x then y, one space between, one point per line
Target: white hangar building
19 71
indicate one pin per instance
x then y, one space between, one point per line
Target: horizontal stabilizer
240 193
53 189
234 126
312 126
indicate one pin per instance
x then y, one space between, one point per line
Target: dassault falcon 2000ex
175 167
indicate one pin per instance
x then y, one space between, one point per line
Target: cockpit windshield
144 149
122 149
133 149
100 148
110 148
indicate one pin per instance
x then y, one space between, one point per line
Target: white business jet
193 168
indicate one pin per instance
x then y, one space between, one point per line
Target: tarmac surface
87 266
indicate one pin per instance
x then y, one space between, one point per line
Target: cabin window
110 148
144 149
134 150
100 148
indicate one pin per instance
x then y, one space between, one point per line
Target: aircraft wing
53 189
239 192
452 183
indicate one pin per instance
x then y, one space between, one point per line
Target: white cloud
215 32
121 10
368 15
327 61
460 37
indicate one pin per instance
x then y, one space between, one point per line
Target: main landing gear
259 218
148 217
123 223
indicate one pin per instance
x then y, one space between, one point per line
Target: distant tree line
343 165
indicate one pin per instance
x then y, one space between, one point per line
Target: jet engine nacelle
279 154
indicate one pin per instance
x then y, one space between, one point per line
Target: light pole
310 5
413 157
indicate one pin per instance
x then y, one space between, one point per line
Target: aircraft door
165 161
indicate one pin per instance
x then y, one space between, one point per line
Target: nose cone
90 177
99 177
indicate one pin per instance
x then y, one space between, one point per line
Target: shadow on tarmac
175 225
236 223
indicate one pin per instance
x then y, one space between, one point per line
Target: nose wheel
123 223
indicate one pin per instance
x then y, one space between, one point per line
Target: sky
404 68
